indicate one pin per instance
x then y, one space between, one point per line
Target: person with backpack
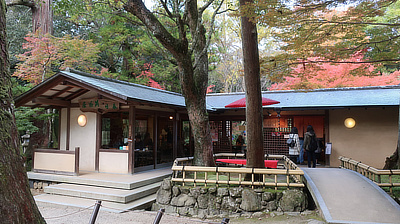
294 144
310 145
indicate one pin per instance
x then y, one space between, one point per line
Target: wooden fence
288 176
371 173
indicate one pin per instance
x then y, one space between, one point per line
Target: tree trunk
397 152
16 202
393 161
42 14
42 17
193 68
254 117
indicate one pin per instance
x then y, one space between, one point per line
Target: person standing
240 141
309 139
295 150
239 144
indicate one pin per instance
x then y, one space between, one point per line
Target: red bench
268 163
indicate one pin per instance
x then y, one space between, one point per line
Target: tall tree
254 114
327 31
126 48
189 48
42 14
16 202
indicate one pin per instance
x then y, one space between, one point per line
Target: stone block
293 201
202 201
228 204
175 191
203 190
194 192
183 200
222 191
268 196
212 190
251 201
164 196
184 190
235 192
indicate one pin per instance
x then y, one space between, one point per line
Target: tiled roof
289 99
322 98
127 90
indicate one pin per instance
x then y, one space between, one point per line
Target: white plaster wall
63 129
54 161
110 162
85 138
372 139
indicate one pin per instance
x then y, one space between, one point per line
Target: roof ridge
116 81
313 90
337 89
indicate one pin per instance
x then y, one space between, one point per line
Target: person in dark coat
310 153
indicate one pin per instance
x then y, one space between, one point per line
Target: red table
268 163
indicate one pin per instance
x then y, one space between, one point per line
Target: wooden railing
288 177
371 173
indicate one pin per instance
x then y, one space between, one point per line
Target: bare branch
211 31
201 9
344 62
137 8
351 23
227 10
164 4
28 3
371 43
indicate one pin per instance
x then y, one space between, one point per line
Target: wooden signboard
98 105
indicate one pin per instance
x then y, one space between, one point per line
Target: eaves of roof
319 99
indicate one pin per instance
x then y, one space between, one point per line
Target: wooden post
98 142
33 159
175 136
76 171
155 142
131 140
68 127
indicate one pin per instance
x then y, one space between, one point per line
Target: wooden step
102 193
121 181
142 203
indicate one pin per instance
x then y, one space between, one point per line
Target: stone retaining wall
213 201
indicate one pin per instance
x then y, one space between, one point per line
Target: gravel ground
59 214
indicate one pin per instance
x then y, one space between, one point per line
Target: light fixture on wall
171 117
82 120
349 122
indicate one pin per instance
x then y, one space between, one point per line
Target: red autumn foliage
148 76
336 75
209 88
47 54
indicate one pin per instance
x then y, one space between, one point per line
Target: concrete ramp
345 196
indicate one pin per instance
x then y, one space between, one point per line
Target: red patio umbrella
242 103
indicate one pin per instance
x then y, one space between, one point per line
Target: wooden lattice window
275 141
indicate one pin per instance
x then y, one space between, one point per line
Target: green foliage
385 38
126 48
19 24
19 86
328 31
25 118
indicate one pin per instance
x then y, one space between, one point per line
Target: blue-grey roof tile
127 90
322 98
